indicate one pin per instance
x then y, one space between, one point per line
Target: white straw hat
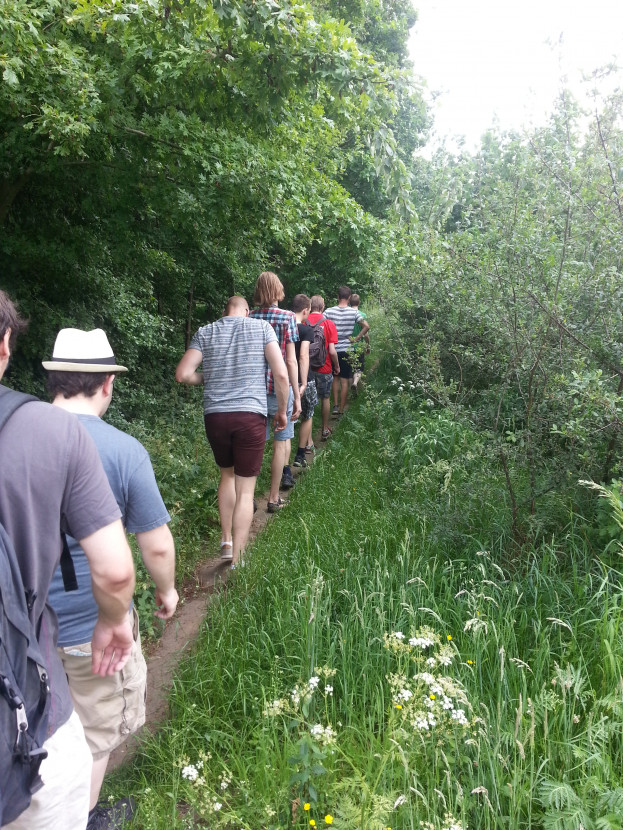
82 351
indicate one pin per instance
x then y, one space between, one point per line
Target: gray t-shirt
344 318
131 477
234 366
51 478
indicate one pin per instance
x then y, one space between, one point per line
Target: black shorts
345 360
237 440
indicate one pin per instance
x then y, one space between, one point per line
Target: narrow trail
182 630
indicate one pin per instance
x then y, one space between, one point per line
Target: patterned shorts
309 401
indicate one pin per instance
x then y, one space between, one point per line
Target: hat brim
104 368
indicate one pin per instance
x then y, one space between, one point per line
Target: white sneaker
227 551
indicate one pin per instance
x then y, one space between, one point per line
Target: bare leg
226 502
276 468
336 392
344 384
243 513
97 779
305 432
326 411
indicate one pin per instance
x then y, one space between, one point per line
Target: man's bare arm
293 375
303 365
365 328
334 359
272 353
112 583
158 551
186 371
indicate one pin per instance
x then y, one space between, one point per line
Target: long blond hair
268 290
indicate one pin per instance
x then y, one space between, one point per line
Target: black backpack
24 689
318 347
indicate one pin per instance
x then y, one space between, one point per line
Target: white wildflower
190 772
313 682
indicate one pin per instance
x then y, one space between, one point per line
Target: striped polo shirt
234 366
344 318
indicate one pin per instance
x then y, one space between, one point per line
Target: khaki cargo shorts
110 708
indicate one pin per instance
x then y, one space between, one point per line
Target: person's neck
342 303
79 405
300 317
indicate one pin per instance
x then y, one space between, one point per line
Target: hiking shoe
326 433
227 551
300 461
275 506
107 816
310 448
335 411
255 505
287 480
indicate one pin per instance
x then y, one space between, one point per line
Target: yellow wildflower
329 819
307 805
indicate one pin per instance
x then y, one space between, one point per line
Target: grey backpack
24 689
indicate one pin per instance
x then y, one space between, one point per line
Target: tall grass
399 533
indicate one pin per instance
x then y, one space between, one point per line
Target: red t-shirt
330 336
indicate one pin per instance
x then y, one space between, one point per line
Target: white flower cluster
421 642
429 699
323 734
190 772
401 385
449 823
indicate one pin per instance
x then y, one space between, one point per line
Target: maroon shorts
237 440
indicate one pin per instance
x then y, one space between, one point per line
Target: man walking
361 349
324 375
345 318
51 478
236 352
267 296
301 306
110 708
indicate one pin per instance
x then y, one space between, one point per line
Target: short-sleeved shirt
330 336
344 318
234 365
284 325
51 479
128 468
306 334
357 328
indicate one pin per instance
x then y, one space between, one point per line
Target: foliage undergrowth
387 659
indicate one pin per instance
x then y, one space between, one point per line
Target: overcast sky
490 58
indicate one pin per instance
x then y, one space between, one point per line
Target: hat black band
105 361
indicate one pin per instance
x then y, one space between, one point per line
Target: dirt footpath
181 631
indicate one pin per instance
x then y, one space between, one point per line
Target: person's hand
111 646
336 370
166 602
280 421
296 409
368 350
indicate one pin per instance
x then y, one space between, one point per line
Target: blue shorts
324 382
288 432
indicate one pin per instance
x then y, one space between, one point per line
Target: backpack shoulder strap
10 401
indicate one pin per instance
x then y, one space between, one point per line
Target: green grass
401 525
